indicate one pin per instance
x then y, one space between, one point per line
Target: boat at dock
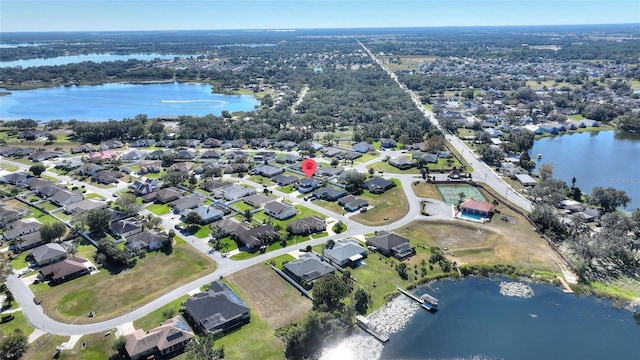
427 301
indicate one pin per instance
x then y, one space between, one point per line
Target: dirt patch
274 299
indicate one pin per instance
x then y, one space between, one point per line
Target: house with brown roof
161 342
163 196
66 270
475 207
253 238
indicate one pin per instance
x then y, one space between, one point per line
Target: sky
105 15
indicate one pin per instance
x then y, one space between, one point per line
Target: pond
118 101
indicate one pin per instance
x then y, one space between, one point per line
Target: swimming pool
472 217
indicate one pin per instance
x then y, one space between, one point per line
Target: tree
492 155
51 231
608 198
202 349
128 203
248 215
13 346
5 269
329 244
174 178
211 172
193 218
354 181
545 171
153 221
362 300
328 291
98 220
550 191
38 169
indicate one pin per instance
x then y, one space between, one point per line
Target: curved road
40 320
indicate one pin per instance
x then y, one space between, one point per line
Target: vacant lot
387 208
493 243
274 299
426 190
110 295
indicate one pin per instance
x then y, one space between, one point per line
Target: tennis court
451 193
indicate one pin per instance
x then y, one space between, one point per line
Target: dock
567 289
363 323
427 301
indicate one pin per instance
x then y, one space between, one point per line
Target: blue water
118 101
472 217
604 158
474 320
74 59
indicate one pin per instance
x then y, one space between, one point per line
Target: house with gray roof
48 254
328 171
207 213
331 152
284 180
216 310
402 162
254 238
526 180
256 200
308 268
133 155
50 190
307 226
15 178
125 228
363 147
85 205
163 196
146 240
234 192
288 159
65 197
280 210
8 214
391 244
329 193
378 185
268 170
345 252
20 227
184 203
28 241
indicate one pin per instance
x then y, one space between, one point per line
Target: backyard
110 295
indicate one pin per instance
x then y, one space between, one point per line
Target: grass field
384 166
20 261
154 318
203 232
110 295
407 62
392 205
9 167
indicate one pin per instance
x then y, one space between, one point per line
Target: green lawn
20 261
157 316
203 232
247 255
279 260
9 167
261 180
19 322
156 175
242 206
576 117
387 208
159 209
48 205
94 196
366 157
111 295
42 217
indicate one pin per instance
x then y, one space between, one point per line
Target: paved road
481 171
37 318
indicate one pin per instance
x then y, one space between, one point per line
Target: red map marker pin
309 167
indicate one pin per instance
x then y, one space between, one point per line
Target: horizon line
331 28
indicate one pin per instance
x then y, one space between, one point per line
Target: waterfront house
391 244
308 268
345 252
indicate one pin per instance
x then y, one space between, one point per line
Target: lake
118 101
604 158
476 320
74 59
